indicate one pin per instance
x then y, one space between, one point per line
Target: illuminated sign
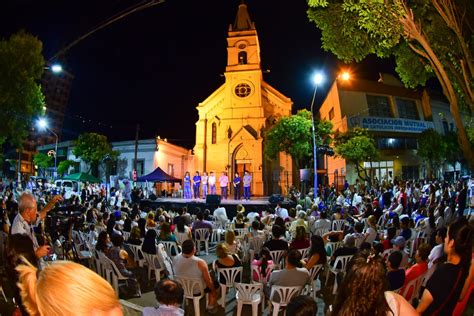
389 124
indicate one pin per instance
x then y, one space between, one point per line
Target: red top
300 244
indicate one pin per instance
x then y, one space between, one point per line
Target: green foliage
43 161
64 166
92 148
21 99
432 148
293 136
356 146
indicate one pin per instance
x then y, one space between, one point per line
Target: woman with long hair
66 288
103 242
301 240
225 259
167 235
446 284
142 226
230 242
364 290
182 231
149 243
264 261
317 253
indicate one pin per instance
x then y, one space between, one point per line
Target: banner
389 124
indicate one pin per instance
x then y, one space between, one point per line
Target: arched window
242 57
214 133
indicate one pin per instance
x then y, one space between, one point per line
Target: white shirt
211 180
435 253
163 310
21 226
220 214
281 212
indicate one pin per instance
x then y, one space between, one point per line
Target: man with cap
399 244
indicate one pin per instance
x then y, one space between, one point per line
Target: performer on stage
247 180
224 182
212 183
197 185
187 186
204 181
236 184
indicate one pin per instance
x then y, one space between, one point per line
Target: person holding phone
28 218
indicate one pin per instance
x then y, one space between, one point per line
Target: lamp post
43 124
317 80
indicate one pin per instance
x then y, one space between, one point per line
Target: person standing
247 181
28 218
236 184
223 183
197 185
212 183
187 186
204 181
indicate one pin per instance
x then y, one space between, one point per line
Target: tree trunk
413 32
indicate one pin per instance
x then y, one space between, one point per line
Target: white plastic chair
414 285
257 270
304 252
202 235
314 274
255 246
154 265
277 257
343 260
181 237
189 284
333 246
126 235
249 294
338 224
115 276
239 232
321 231
137 251
285 293
169 245
230 275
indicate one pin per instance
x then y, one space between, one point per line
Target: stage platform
255 204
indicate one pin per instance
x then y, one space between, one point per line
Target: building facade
234 118
394 115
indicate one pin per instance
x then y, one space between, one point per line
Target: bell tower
243 49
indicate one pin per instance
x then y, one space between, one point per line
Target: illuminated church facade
233 120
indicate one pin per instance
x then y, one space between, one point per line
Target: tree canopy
21 98
292 135
64 166
427 38
92 148
356 146
432 148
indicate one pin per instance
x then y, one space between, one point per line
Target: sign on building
389 124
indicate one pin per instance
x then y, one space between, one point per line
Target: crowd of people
370 244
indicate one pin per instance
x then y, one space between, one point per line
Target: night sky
155 66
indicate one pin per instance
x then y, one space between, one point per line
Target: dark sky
155 66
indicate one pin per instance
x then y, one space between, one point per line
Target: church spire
242 20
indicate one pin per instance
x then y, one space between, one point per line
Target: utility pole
136 152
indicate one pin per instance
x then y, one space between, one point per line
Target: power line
132 9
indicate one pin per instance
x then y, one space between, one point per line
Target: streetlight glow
318 78
56 68
42 123
346 76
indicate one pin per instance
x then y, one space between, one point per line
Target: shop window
379 106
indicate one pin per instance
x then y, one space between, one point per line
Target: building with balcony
394 115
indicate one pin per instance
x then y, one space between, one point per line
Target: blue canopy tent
158 175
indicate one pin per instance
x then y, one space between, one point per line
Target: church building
233 120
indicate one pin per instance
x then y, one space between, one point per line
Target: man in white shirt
212 183
438 250
28 218
281 212
220 215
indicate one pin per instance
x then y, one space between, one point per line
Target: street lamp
42 124
55 68
317 80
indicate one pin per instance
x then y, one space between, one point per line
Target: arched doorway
241 162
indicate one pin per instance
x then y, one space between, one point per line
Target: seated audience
301 240
276 243
365 279
395 275
225 259
419 268
135 236
263 263
317 253
302 305
170 295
